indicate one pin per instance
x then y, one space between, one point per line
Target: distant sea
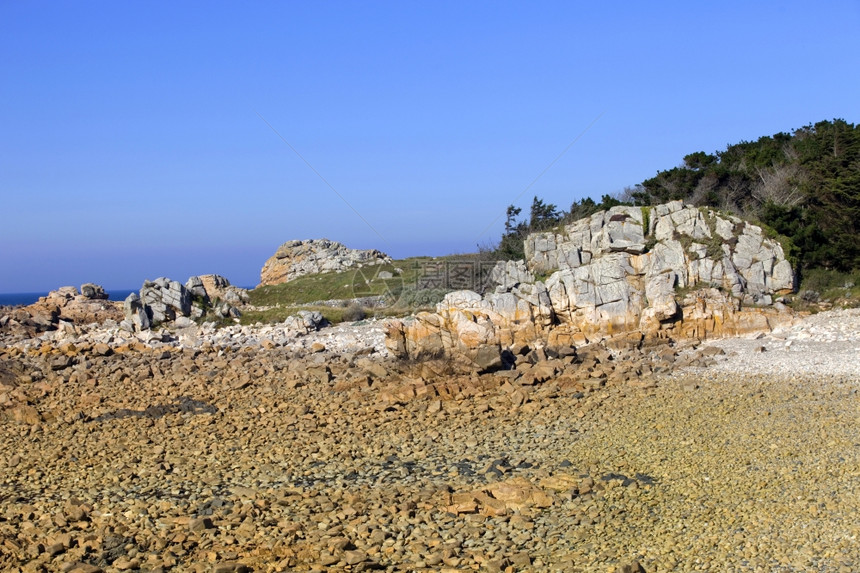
19 298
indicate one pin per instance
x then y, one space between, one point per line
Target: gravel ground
751 464
827 343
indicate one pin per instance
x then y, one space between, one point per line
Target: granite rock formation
63 309
631 274
212 288
166 300
93 292
297 258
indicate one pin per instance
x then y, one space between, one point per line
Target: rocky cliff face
694 246
297 258
632 274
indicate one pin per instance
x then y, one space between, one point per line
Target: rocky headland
632 397
61 310
297 258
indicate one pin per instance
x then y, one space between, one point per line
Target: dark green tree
699 160
543 215
510 218
511 245
804 184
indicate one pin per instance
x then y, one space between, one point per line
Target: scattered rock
63 310
632 567
229 456
305 321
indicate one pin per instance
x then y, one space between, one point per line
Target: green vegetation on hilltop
542 217
414 284
804 185
802 188
333 314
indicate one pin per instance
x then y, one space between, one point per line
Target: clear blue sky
131 148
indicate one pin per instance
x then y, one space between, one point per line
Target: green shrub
714 247
412 298
646 220
353 313
831 284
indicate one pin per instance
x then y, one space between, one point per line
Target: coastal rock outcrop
213 288
64 308
297 258
630 274
695 246
165 300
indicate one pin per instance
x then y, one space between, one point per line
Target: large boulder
305 321
194 285
165 299
93 292
298 258
213 287
135 313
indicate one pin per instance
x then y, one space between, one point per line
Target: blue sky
131 146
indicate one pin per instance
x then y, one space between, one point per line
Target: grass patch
355 283
305 289
823 289
682 292
415 284
711 221
274 315
333 314
646 221
714 247
687 244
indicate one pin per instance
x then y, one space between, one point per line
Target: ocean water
23 298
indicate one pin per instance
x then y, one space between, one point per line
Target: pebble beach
182 460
